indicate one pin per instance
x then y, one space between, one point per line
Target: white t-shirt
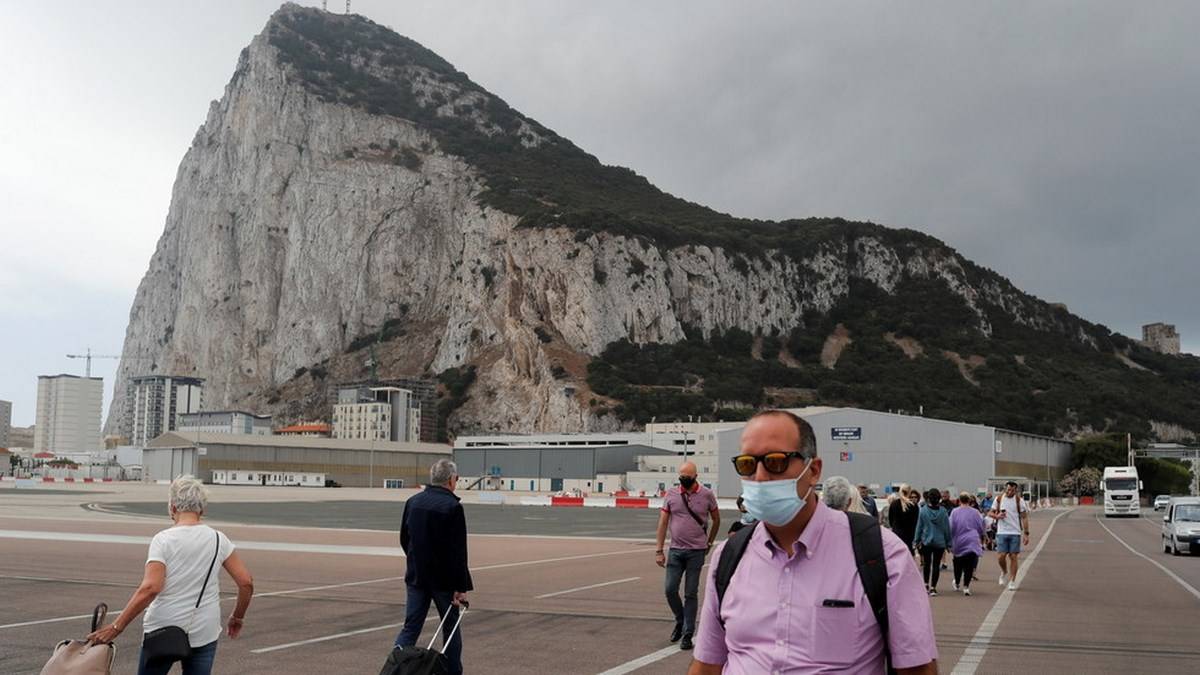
1011 522
187 551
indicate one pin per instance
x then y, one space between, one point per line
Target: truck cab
1121 486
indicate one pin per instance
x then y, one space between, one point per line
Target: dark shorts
1008 543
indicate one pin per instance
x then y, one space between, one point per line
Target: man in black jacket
433 535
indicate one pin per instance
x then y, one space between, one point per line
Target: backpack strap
867 539
731 555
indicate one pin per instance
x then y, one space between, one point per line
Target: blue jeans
416 609
199 663
684 562
1008 543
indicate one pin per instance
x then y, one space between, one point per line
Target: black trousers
931 564
964 568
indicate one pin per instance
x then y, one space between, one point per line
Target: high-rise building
377 413
68 414
225 422
424 391
153 404
5 422
1161 337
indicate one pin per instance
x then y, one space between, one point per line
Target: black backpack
867 539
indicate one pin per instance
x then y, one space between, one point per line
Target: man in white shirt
1012 532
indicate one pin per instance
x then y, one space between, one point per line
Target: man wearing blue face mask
687 511
808 589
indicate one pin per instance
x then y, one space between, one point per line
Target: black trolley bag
414 660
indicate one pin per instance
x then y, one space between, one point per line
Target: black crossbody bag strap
688 506
216 552
207 575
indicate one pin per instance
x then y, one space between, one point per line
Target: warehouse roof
189 439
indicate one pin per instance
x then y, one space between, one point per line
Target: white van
1181 526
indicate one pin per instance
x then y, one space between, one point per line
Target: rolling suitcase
414 660
80 657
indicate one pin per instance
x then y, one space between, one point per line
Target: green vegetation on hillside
356 62
1028 380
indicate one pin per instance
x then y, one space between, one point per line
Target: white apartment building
5 422
153 404
68 414
225 422
377 413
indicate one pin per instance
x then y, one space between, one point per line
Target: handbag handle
98 615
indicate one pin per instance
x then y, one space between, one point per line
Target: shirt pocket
837 632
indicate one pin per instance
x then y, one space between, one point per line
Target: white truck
1121 486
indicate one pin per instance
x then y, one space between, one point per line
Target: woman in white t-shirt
181 569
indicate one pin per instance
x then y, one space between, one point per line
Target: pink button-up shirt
775 621
685 531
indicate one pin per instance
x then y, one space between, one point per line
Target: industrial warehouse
874 448
218 457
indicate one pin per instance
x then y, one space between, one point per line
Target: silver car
1161 501
1181 526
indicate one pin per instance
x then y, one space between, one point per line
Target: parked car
1181 526
1161 501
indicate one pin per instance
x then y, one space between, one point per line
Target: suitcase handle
461 613
98 615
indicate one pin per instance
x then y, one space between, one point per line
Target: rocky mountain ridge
352 192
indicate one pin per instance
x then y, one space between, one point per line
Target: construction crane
88 356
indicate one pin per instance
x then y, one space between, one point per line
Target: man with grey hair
840 495
433 534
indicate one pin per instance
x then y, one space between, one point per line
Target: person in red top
690 512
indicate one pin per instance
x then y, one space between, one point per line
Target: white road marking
653 657
310 641
973 655
111 615
309 589
87 537
360 631
551 560
586 588
1190 588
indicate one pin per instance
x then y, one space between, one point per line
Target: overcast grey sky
1054 142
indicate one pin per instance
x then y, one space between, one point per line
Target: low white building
225 422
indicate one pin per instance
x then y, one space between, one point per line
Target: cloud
1052 142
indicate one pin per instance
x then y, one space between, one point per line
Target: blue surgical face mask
775 502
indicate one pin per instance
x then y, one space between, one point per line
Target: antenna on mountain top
324 5
347 6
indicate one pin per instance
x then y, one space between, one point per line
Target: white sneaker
956 586
1012 586
1003 579
966 591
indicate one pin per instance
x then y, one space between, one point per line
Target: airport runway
331 600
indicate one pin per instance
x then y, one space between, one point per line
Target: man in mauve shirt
690 512
795 603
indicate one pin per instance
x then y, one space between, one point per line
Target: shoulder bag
170 643
81 657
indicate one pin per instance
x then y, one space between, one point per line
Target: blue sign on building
846 433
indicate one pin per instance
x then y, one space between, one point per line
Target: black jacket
433 535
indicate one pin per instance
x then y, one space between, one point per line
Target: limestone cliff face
298 224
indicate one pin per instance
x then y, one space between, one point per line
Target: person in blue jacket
933 537
433 535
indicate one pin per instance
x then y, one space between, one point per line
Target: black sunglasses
775 462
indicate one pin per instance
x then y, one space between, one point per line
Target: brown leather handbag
82 657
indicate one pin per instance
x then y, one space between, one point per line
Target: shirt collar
810 538
444 489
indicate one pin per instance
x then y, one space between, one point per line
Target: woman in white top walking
180 588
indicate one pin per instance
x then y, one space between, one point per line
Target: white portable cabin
253 477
